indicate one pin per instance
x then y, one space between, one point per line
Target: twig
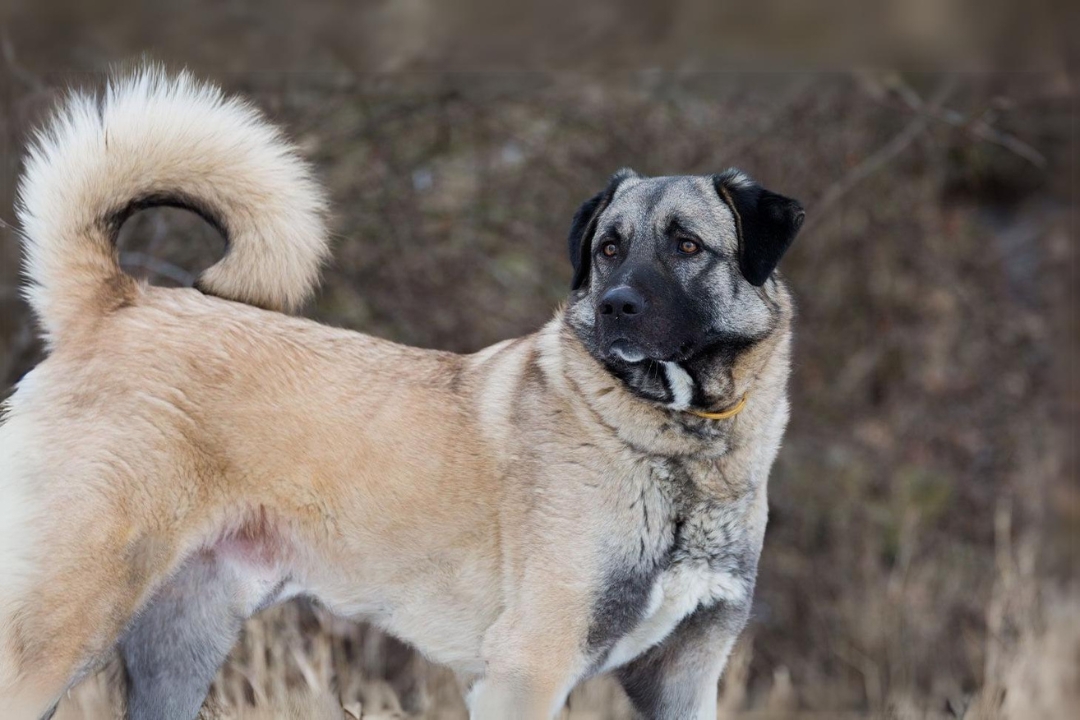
158 267
979 128
887 152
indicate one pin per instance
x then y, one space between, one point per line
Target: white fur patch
682 386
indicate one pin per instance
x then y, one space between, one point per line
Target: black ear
584 225
766 223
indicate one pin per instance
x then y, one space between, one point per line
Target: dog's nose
623 301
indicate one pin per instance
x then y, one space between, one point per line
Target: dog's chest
692 551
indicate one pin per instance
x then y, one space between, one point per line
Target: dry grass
296 662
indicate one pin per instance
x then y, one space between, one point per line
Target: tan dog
588 498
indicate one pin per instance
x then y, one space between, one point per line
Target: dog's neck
760 376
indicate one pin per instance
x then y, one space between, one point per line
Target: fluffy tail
154 140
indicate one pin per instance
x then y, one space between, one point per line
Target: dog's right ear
584 226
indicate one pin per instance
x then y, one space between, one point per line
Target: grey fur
175 646
619 607
681 526
676 678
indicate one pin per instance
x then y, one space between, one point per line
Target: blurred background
921 558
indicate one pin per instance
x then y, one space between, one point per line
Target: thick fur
530 515
151 140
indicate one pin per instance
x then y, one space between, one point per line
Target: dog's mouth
632 353
627 351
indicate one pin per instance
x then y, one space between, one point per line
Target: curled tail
148 140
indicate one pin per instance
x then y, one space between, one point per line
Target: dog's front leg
677 679
514 696
532 662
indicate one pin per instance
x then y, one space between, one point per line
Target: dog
590 498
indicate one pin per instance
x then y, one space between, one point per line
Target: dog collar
723 414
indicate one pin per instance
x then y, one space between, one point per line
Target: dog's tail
147 140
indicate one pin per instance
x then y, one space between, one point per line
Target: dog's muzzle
619 315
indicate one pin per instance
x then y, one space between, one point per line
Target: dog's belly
447 633
675 594
445 621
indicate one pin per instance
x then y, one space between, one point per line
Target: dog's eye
609 249
689 247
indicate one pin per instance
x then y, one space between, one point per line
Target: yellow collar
723 414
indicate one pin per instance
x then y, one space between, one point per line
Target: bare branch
977 127
158 266
887 152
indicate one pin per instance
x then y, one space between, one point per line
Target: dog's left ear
765 221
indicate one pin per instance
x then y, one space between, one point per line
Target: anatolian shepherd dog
588 498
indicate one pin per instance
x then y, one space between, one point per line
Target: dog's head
674 278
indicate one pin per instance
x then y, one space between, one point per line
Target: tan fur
460 502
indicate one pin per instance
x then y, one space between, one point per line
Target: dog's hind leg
174 647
